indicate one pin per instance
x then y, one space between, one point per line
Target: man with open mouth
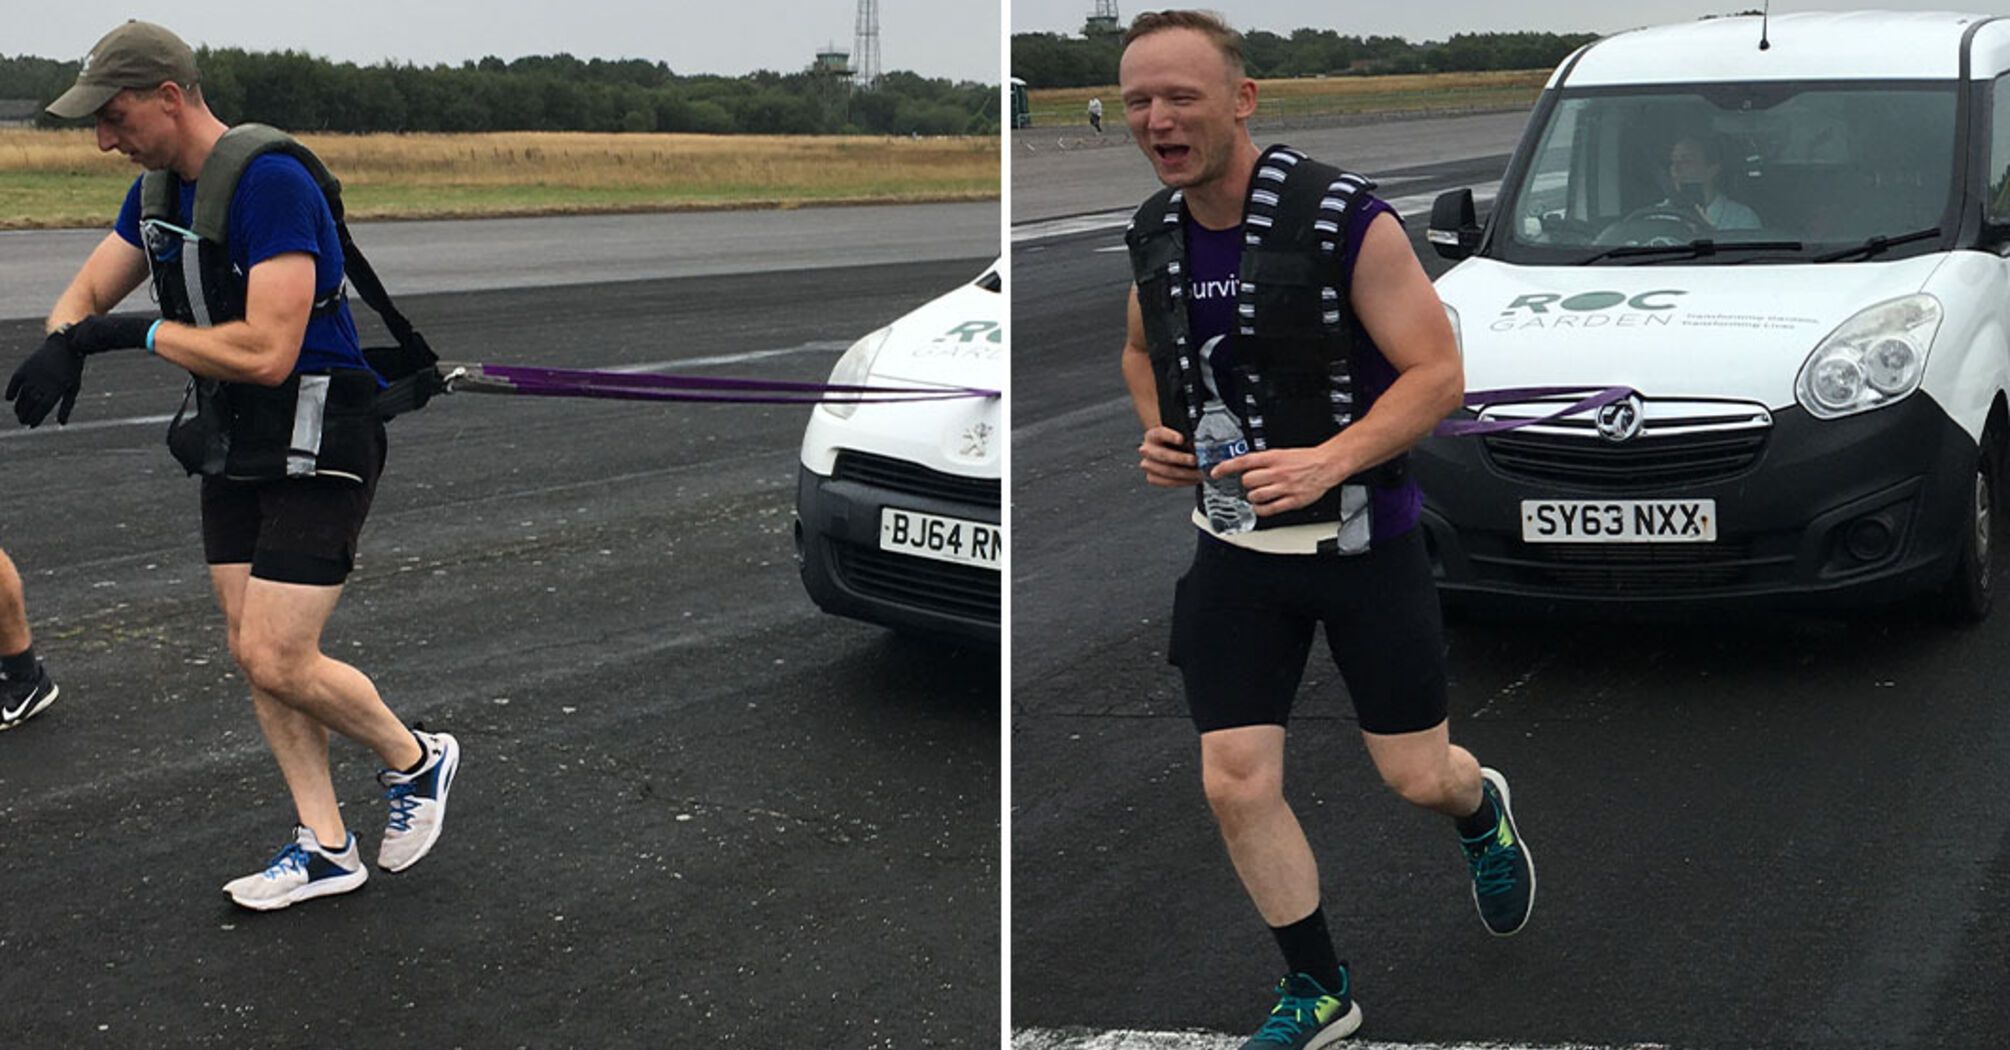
1284 350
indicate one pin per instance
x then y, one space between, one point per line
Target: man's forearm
1143 385
236 352
76 303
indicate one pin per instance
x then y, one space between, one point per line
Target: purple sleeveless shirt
1213 257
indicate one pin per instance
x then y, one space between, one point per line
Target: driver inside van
1695 170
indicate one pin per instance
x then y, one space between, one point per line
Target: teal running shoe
1503 871
1307 1016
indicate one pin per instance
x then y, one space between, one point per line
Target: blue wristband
151 329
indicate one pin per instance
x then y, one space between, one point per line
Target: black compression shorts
292 530
1242 627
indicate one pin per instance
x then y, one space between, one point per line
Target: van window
1999 151
1824 164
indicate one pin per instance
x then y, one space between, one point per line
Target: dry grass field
58 178
1321 96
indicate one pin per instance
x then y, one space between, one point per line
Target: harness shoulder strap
160 195
1154 235
233 153
409 366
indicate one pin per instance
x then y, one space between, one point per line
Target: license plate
942 539
1619 521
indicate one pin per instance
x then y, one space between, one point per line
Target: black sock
424 754
1308 949
1483 819
21 666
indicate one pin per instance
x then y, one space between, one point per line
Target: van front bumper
1821 514
846 572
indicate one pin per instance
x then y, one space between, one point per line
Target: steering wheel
1656 224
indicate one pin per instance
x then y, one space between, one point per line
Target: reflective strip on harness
191 276
309 410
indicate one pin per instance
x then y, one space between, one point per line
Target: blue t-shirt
278 209
1213 259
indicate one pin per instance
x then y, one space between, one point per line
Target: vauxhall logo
1650 309
1622 420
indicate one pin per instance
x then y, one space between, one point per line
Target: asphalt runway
1761 833
693 810
1049 182
462 256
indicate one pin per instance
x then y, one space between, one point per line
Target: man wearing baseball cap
285 428
135 56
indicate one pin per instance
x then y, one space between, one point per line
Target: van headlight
853 369
1874 359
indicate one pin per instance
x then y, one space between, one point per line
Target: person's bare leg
1242 770
15 637
1427 769
299 694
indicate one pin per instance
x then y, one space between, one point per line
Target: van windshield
1821 165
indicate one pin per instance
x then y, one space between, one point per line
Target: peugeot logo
977 440
1621 420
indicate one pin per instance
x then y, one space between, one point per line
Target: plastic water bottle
1217 440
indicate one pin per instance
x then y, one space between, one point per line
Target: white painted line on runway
1076 1039
820 346
71 428
1051 228
1048 229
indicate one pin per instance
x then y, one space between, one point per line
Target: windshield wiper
1876 245
1692 250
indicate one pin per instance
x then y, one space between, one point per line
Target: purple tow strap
532 381
1594 400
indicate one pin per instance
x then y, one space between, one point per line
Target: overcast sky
1438 19
956 39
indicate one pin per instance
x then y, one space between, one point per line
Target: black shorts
292 530
1242 627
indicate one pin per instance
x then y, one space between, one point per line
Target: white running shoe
301 871
418 802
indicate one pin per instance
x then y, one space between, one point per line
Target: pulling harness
313 424
322 424
1296 341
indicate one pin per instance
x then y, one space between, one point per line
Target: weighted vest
312 424
1296 340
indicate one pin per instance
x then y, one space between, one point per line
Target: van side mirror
1454 229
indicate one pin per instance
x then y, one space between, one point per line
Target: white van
1790 239
897 504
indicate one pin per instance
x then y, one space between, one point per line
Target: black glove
96 334
50 376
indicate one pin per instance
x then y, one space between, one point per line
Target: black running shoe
23 700
1503 871
1307 1016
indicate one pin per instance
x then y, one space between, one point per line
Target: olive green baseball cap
135 55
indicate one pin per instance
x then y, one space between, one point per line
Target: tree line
301 92
1052 60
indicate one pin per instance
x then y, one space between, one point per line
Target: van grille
896 475
1641 464
920 583
1619 569
1680 443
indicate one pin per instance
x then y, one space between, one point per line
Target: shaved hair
1206 23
